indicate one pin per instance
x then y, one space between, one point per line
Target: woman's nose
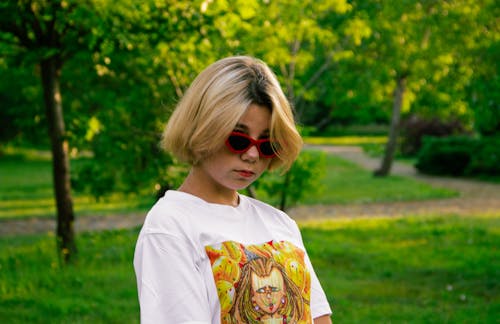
252 153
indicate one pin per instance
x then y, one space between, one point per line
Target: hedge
460 156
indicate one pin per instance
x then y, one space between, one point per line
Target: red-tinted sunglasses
240 143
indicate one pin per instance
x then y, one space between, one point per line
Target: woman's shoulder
258 204
268 211
173 210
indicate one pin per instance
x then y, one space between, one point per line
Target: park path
475 197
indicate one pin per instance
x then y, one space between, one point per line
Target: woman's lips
245 173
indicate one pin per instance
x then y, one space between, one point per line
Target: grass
26 191
100 288
346 140
434 269
346 183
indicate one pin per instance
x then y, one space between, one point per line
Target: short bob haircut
218 97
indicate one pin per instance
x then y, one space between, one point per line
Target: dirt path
475 197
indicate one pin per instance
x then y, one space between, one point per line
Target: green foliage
414 128
22 114
142 68
289 189
460 156
482 92
487 118
486 159
446 156
94 179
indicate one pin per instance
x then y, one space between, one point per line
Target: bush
414 128
305 175
460 156
486 160
91 178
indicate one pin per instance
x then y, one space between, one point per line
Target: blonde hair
216 100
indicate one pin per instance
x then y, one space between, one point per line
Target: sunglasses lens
266 148
238 143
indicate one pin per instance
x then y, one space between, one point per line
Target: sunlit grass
99 288
347 183
428 269
83 205
437 269
346 140
26 191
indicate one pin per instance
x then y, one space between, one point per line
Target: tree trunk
391 145
50 70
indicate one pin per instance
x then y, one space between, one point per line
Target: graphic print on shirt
266 283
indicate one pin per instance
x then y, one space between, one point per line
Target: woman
232 124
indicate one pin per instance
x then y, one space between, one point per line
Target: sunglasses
240 143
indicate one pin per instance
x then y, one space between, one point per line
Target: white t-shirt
198 262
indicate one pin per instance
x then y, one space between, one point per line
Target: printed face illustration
261 283
268 293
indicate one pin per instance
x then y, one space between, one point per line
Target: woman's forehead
256 119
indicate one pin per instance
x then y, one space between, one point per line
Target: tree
49 33
153 52
417 50
483 51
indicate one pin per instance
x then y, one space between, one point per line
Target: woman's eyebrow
241 127
244 129
265 133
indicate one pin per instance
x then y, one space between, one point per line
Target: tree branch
35 25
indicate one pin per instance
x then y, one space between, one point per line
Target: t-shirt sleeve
170 285
319 301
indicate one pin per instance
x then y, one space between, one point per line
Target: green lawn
345 140
434 269
100 288
346 183
26 191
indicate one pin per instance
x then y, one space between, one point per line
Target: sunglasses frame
253 142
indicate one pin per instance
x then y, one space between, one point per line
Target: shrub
414 128
287 190
90 178
486 160
460 156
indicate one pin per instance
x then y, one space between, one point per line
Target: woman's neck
200 186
